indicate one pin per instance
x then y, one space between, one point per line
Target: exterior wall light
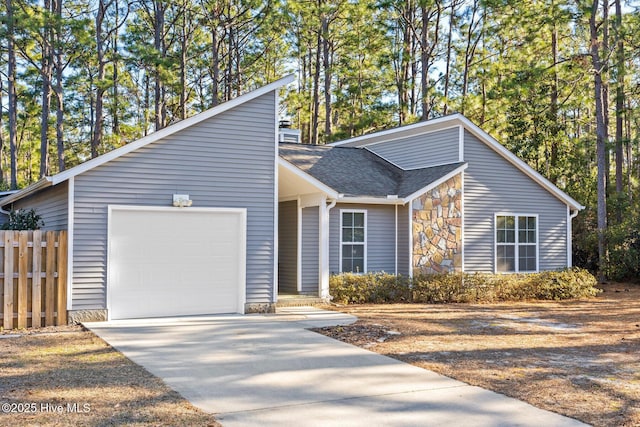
182 200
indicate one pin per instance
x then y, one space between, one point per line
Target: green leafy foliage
462 287
349 288
622 240
23 219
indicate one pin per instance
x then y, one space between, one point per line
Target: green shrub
624 250
462 287
23 219
349 288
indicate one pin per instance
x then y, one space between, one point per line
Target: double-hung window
353 238
516 243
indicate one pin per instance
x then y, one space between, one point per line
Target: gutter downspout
396 243
324 276
570 237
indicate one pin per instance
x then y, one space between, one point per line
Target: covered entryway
175 261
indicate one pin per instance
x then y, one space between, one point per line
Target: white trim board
340 242
516 242
70 232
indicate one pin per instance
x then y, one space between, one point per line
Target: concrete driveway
268 370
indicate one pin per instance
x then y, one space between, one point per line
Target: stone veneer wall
437 229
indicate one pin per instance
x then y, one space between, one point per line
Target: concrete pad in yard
268 370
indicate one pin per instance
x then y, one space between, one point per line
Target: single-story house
214 215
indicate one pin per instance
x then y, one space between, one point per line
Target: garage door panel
175 262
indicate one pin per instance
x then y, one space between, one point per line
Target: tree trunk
60 124
427 48
2 177
405 62
229 71
605 85
553 108
215 67
158 44
620 102
326 62
315 107
11 89
424 58
47 74
96 139
58 88
115 111
468 55
601 138
183 62
447 72
147 103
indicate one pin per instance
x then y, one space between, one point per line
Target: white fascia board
33 188
330 192
435 183
170 130
518 163
413 126
370 200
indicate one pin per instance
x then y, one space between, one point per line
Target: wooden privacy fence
33 278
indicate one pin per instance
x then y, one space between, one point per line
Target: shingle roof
358 172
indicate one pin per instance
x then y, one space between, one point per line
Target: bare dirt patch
66 376
577 358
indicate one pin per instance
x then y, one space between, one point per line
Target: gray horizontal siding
51 204
419 151
288 247
225 161
310 250
491 185
380 230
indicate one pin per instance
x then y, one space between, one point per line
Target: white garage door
175 261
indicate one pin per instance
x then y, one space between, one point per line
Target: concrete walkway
268 370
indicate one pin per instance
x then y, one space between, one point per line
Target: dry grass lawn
577 358
68 377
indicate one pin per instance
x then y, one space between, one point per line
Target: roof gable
460 120
142 142
355 172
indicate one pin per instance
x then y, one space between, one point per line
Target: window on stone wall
516 243
353 238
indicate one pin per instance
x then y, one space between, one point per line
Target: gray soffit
357 172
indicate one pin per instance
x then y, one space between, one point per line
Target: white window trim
363 211
516 244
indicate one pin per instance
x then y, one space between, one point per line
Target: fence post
23 268
8 280
62 279
50 296
36 281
